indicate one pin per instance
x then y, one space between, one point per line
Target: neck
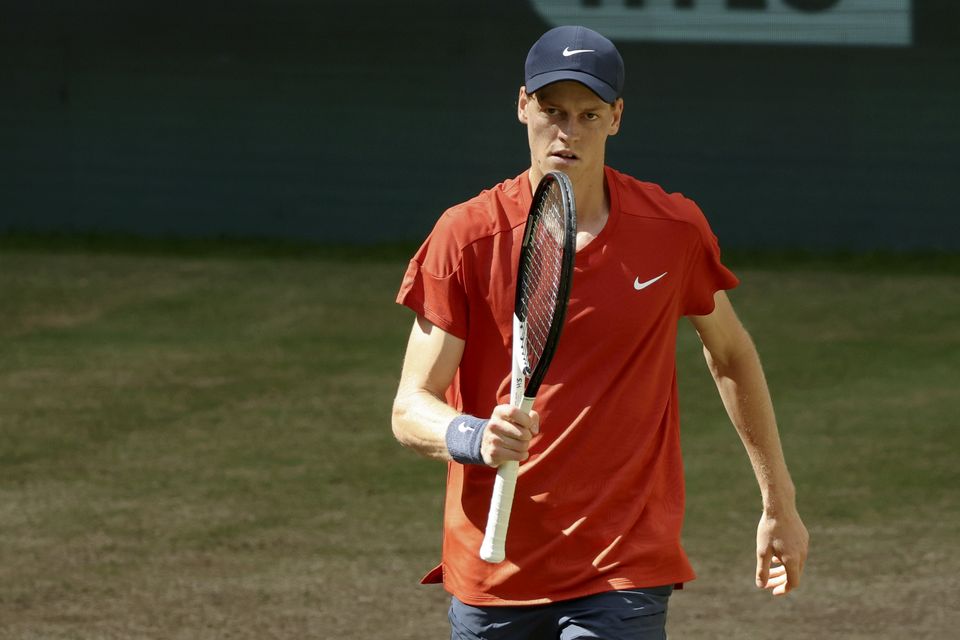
590 194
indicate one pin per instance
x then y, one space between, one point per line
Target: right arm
421 416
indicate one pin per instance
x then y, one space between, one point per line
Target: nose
569 129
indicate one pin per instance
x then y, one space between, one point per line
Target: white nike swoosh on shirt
643 285
567 51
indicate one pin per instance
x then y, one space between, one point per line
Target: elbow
398 418
732 354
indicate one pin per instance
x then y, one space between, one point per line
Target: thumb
534 422
763 566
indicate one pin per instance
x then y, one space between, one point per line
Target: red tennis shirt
599 503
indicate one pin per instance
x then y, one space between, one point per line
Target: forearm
746 397
420 420
423 421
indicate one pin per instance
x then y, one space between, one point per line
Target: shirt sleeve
433 285
706 273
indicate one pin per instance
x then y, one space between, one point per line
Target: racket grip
501 502
493 549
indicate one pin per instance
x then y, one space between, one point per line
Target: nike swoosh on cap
567 52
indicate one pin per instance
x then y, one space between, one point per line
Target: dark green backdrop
361 121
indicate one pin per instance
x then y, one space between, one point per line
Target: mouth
564 155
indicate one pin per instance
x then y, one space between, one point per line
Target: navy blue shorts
637 614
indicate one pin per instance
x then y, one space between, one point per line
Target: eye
551 111
591 116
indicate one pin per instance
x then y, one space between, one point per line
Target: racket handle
501 502
493 549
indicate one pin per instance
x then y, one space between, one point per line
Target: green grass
195 443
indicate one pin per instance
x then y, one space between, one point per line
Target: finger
498 447
784 587
508 430
512 422
498 453
763 566
776 571
794 570
512 414
777 574
509 436
510 448
775 581
523 429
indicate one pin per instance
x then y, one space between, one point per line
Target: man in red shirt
594 544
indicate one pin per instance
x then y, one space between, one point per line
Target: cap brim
599 87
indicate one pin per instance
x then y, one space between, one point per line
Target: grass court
195 443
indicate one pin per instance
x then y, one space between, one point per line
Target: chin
558 164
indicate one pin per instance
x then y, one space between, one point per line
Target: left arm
735 366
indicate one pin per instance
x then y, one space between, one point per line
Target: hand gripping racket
544 274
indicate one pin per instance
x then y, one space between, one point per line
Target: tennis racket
544 274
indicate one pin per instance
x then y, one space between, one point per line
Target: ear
522 105
617 117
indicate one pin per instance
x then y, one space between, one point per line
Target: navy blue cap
578 54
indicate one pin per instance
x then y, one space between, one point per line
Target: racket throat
518 374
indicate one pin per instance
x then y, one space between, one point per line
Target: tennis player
593 549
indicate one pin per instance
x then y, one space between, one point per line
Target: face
567 127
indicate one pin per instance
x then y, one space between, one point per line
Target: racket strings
542 277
